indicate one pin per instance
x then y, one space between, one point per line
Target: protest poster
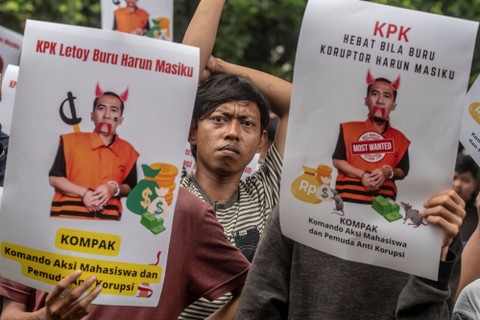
9 85
10 48
151 18
72 80
335 151
470 129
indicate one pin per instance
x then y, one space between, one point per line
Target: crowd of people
236 262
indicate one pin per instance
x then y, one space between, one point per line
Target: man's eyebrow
381 91
246 116
223 112
230 114
105 105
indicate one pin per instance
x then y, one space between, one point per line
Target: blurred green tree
13 13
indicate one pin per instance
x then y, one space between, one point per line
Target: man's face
107 115
464 184
228 138
380 100
131 3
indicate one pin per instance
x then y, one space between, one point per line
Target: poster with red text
96 150
9 85
373 131
150 18
10 48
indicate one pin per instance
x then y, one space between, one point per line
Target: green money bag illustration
140 198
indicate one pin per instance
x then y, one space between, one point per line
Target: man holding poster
93 170
371 155
289 280
312 264
211 265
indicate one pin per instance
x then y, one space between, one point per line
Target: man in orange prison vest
371 155
93 170
131 19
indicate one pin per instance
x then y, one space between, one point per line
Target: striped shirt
243 218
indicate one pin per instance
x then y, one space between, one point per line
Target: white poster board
470 129
9 86
116 15
343 45
64 68
10 47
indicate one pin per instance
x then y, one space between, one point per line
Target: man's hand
103 193
378 177
365 180
445 210
210 68
91 200
62 305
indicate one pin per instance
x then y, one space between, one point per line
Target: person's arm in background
228 310
202 30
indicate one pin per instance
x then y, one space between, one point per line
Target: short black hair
383 80
465 164
223 88
113 94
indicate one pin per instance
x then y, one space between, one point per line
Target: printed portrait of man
371 155
93 170
131 19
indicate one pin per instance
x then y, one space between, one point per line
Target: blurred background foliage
258 33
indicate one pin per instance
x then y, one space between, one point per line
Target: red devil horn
370 78
98 91
124 96
396 84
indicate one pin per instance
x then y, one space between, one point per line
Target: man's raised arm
202 30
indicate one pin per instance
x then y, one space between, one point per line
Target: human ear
192 134
263 140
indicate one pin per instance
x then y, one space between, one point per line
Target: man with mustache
371 155
93 170
228 127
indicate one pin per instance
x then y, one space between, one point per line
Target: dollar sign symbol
159 207
146 193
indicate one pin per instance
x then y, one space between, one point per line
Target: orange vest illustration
90 164
127 21
367 149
